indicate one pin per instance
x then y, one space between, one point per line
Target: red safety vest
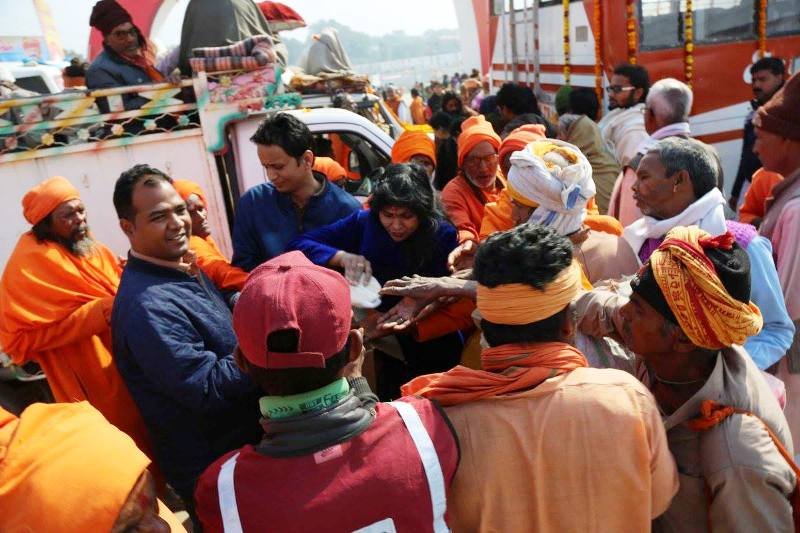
392 477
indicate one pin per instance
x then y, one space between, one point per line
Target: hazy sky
375 17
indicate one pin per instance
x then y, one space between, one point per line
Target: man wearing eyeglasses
478 182
623 128
126 59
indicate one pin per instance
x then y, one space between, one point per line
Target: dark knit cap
732 267
781 115
107 15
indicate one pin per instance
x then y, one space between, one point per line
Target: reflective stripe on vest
227 497
229 510
430 462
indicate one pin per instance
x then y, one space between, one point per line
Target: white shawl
707 212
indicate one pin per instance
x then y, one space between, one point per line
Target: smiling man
297 199
55 305
173 339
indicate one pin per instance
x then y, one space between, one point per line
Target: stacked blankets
249 54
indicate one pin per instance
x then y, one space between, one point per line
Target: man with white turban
550 183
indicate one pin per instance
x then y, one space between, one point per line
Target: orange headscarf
474 131
520 137
412 143
64 468
519 303
709 316
186 188
506 369
330 167
45 197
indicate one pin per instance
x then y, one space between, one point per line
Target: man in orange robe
64 468
559 424
479 181
208 256
56 295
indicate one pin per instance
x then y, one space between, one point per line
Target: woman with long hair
401 234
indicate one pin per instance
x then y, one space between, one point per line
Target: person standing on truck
56 295
296 200
127 58
623 128
173 340
767 77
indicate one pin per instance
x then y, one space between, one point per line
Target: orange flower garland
762 28
567 69
630 25
597 25
688 43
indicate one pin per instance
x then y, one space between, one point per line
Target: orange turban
519 303
520 137
187 188
45 197
330 167
689 282
412 143
64 468
474 131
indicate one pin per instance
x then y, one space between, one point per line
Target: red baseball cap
291 292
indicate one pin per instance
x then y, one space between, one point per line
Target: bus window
783 17
660 24
715 21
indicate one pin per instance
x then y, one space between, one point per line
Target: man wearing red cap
56 295
332 457
127 58
778 146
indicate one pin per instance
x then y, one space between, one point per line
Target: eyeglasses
121 34
475 161
618 88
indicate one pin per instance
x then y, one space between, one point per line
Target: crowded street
521 266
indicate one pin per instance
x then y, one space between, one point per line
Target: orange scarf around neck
508 368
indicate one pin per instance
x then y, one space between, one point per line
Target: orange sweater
215 265
760 189
464 205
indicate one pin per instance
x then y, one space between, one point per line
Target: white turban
557 177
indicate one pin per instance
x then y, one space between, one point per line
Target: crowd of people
528 326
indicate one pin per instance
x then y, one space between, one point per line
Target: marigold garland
630 25
688 43
567 69
762 28
598 50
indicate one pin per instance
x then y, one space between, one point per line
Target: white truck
206 140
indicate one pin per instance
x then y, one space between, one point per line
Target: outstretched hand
463 256
402 316
418 287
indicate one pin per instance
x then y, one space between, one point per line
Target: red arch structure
144 14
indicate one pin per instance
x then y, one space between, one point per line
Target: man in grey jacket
126 58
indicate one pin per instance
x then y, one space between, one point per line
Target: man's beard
77 247
81 247
630 102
